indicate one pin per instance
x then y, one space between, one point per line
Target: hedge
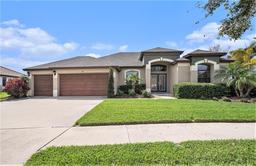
200 90
138 88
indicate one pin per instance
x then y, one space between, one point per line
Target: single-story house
159 68
6 74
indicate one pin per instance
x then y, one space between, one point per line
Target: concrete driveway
27 125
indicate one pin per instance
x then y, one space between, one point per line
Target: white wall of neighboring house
2 81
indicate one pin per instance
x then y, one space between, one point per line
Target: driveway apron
28 125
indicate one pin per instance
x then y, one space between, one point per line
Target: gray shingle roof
160 49
9 72
121 59
182 60
199 52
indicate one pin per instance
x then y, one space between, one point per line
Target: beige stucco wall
183 72
173 76
121 75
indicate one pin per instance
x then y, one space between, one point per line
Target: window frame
208 71
131 70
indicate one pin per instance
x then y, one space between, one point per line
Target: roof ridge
55 61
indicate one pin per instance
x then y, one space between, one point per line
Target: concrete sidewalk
155 132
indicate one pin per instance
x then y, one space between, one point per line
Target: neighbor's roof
121 59
199 52
9 72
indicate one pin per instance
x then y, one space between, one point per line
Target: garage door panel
43 85
94 84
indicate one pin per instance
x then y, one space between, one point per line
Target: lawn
134 111
222 152
3 96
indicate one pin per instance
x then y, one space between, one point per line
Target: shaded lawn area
133 111
4 96
222 152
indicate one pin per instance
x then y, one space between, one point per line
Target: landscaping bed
139 111
222 152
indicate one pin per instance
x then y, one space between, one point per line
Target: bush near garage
200 90
138 88
17 87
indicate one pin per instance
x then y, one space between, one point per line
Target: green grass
134 111
4 96
225 152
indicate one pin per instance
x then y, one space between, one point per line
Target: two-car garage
89 84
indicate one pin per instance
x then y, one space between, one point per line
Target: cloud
102 46
208 32
13 22
208 35
93 55
227 45
31 41
16 62
123 48
171 44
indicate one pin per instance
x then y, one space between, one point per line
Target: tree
238 76
17 87
245 56
239 16
215 48
133 80
111 92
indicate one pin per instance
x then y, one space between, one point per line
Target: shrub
200 90
138 88
120 93
131 92
17 87
226 99
253 93
111 92
146 94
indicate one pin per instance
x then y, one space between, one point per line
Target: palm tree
245 56
238 76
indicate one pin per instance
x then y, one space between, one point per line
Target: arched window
131 72
204 73
158 68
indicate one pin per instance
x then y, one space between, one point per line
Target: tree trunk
237 93
241 93
248 92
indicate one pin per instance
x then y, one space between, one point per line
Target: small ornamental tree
111 92
17 87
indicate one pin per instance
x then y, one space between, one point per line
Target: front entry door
158 82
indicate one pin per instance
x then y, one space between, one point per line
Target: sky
36 32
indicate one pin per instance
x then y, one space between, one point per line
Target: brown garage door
43 85
94 84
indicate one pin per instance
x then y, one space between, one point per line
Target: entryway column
115 76
148 76
55 84
31 85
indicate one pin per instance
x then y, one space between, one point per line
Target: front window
130 73
204 73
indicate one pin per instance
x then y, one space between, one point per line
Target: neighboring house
159 68
6 74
